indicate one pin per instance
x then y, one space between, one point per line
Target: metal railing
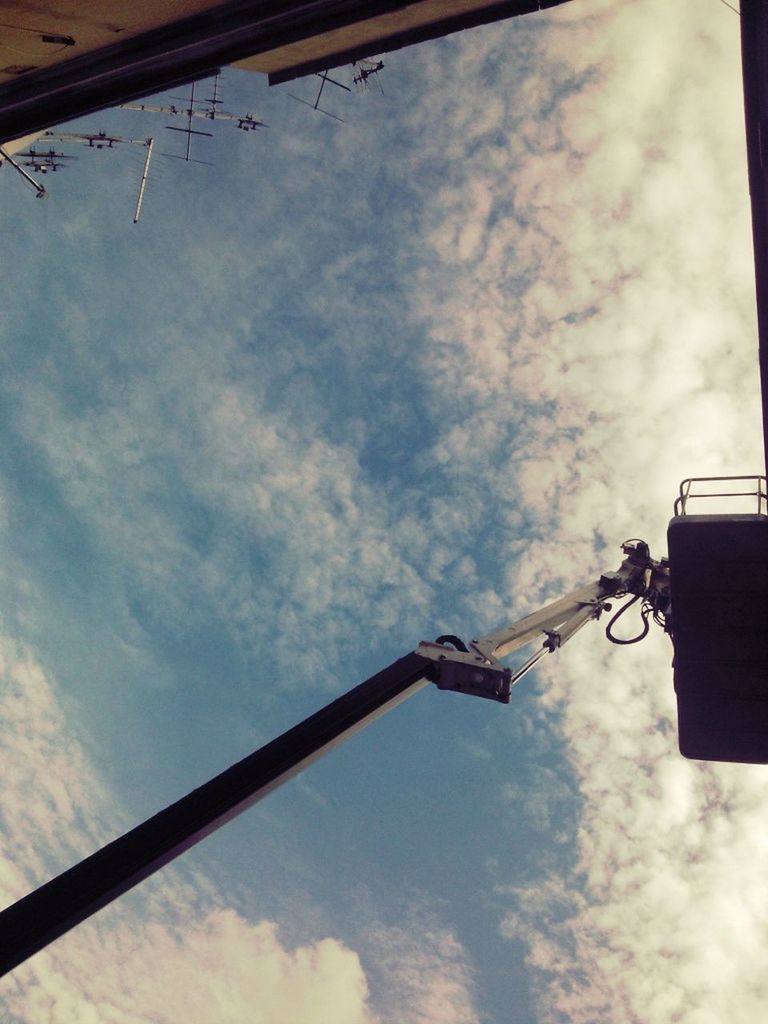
743 493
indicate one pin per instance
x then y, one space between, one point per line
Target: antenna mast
143 182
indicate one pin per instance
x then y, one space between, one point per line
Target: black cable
455 641
644 612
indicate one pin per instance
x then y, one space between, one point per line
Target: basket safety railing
749 493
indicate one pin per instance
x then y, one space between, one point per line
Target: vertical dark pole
29 925
754 58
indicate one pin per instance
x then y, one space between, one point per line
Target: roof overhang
73 58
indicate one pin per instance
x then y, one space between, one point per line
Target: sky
345 388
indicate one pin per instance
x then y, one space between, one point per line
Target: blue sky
351 387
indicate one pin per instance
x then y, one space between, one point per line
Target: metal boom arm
476 669
47 913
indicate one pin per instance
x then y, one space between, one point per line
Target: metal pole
37 919
39 189
143 184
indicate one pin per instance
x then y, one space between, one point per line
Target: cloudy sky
350 387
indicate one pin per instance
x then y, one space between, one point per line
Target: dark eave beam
423 33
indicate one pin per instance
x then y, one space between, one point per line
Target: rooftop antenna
102 140
214 100
207 108
43 162
324 77
189 131
368 69
94 140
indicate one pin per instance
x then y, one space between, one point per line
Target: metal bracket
468 672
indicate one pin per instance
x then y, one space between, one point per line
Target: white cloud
220 967
172 951
49 782
422 973
663 916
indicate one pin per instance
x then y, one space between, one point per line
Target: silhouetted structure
102 55
719 580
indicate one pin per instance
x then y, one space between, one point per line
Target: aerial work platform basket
718 560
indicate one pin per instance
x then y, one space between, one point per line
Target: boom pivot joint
475 668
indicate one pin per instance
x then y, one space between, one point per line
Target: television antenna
368 69
324 78
103 140
44 162
208 109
